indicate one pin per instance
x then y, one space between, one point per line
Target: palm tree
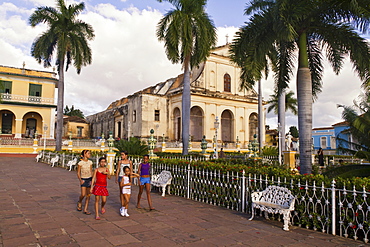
358 119
307 28
66 38
290 103
189 34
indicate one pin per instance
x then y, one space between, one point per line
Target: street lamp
45 129
216 125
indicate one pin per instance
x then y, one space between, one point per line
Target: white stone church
214 92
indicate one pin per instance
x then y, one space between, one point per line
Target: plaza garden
334 200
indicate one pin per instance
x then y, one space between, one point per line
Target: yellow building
75 127
27 102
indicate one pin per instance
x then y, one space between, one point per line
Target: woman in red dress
99 181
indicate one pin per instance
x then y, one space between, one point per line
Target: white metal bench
162 180
71 164
274 199
54 160
39 156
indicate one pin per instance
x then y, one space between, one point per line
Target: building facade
75 127
214 93
27 103
324 138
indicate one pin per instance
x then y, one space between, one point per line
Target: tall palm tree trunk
60 104
186 97
304 96
281 119
261 127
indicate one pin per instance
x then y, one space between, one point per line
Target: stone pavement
38 208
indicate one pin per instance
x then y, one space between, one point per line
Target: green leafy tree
294 131
133 146
280 29
290 103
188 34
67 39
73 112
269 151
358 119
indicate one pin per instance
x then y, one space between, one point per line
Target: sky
128 57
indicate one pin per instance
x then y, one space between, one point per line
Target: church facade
214 93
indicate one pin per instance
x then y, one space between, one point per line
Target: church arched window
227 83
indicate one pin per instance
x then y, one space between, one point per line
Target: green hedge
256 166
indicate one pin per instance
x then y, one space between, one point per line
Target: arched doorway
32 123
196 123
177 124
253 124
227 126
7 122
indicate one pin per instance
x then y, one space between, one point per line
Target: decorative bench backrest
55 159
164 177
277 195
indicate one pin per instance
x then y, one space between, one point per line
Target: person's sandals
79 206
102 210
88 213
97 218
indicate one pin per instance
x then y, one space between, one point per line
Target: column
18 128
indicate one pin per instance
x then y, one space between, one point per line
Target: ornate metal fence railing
328 209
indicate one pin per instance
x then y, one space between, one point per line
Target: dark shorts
144 180
119 179
87 182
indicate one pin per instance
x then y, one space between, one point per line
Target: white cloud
128 57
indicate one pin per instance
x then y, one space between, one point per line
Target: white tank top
121 172
126 180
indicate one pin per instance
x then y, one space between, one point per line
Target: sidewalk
38 208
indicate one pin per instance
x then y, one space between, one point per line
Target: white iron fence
332 210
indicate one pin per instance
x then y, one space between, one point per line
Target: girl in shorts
144 171
124 162
126 189
99 181
84 174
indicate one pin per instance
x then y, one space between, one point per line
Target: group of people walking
97 180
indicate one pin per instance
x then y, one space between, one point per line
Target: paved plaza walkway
38 208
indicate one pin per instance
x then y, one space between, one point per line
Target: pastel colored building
75 127
324 138
27 103
344 136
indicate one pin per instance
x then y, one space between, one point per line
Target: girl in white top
84 174
126 189
124 162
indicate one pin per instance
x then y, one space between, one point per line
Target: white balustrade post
243 191
188 189
333 203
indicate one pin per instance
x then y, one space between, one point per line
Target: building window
134 116
79 131
156 115
227 83
333 143
6 87
323 142
35 93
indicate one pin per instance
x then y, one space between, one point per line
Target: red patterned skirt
99 190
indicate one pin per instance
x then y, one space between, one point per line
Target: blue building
324 138
343 136
329 138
